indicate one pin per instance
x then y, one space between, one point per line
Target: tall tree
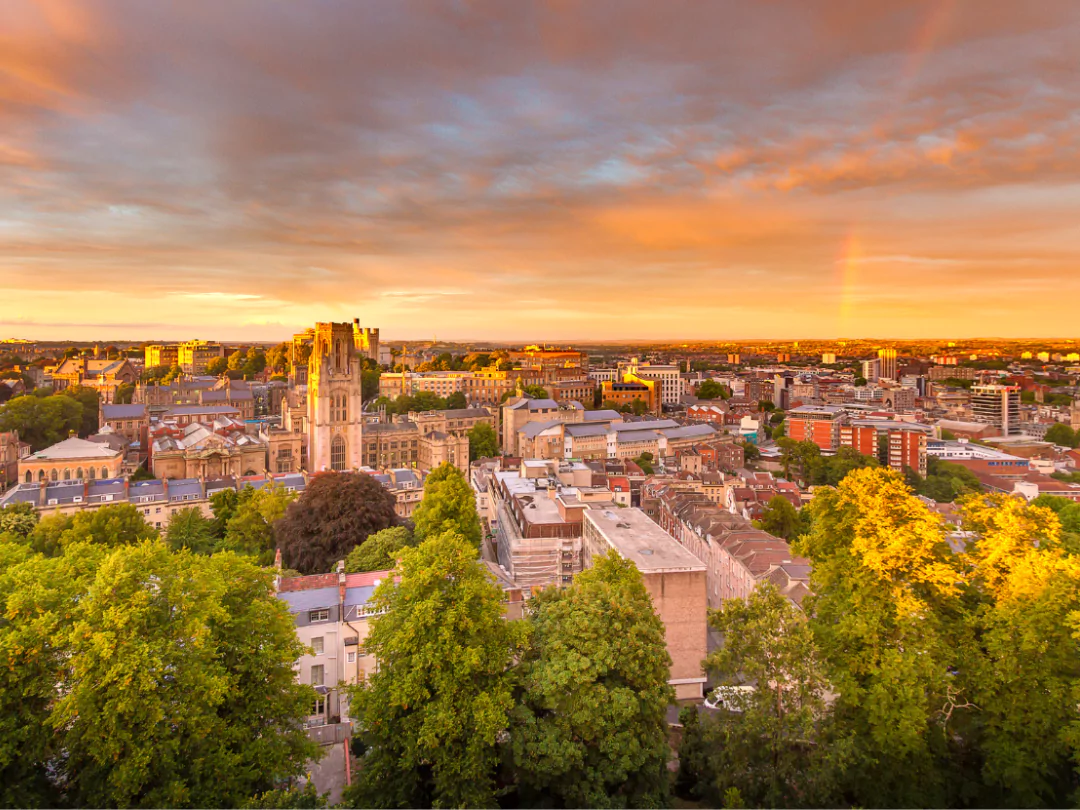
483 441
90 401
336 512
42 421
189 528
19 519
448 505
457 401
590 727
780 518
1062 434
772 741
251 530
162 708
885 583
433 712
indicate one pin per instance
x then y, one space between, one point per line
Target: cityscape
539 405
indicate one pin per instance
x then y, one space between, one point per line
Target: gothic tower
335 401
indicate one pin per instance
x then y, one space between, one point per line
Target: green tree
711 389
639 407
124 394
432 713
772 742
457 401
448 505
379 551
294 798
160 707
536 392
590 728
108 526
780 518
1061 434
89 400
236 360
645 461
483 441
251 530
337 512
19 519
369 384
188 528
884 583
217 366
223 504
42 421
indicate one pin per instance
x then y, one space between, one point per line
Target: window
52 475
317 645
337 453
104 472
320 615
92 471
352 658
78 473
320 706
317 675
29 477
67 475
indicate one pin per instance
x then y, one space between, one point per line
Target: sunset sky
526 171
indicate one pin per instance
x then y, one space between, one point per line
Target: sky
523 171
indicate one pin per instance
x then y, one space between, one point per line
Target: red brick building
819 424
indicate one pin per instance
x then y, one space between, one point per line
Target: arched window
40 475
67 474
92 471
52 475
344 415
29 477
337 453
339 357
78 474
104 472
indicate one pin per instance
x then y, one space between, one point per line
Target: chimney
165 488
127 488
341 584
44 486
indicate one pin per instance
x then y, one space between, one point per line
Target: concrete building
887 358
668 377
997 405
674 578
193 356
819 424
335 400
632 389
160 354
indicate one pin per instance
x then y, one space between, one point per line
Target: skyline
900 170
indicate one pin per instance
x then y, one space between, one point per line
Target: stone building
71 460
334 399
105 376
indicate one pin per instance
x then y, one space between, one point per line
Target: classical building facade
335 402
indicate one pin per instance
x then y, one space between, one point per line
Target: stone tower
367 340
335 400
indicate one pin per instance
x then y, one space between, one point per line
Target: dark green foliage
433 711
781 519
590 728
189 529
1063 435
336 512
483 441
42 421
19 519
293 798
457 401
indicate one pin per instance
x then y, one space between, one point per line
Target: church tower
335 399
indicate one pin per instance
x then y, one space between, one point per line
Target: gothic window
104 472
78 474
92 471
67 475
337 453
29 477
40 475
52 475
344 415
339 357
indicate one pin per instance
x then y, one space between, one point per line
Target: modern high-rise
888 363
997 405
871 370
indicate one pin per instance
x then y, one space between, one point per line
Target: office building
997 405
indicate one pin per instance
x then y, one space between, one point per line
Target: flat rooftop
637 538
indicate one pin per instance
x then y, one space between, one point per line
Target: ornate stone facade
335 402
